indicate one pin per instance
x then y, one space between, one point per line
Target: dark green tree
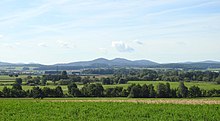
47 92
152 92
75 92
70 86
92 90
168 90
64 75
43 81
217 80
194 91
135 92
16 86
145 91
18 81
182 90
58 91
6 92
161 90
37 93
122 81
106 81
173 93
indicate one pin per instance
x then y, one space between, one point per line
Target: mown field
82 110
5 79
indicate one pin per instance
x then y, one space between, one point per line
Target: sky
61 31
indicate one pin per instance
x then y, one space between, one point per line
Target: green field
58 110
5 79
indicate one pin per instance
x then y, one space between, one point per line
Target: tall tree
145 91
218 80
70 86
135 91
58 91
37 92
194 91
168 90
161 90
18 81
16 87
182 90
6 92
152 92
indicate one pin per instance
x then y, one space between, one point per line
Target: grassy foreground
51 109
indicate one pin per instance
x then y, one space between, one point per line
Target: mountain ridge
112 62
119 62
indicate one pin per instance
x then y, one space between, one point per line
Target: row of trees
158 75
137 91
113 80
122 76
17 92
168 75
96 90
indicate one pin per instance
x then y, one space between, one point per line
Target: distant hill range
114 62
120 62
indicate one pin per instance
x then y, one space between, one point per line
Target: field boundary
159 101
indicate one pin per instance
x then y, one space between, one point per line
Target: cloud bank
121 46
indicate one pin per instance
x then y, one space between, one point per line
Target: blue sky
58 31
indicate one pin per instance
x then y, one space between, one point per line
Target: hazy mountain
119 62
114 62
20 64
207 61
4 63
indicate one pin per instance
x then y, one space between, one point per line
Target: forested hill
188 66
120 63
114 62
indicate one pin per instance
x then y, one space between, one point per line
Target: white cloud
65 44
42 45
121 46
1 36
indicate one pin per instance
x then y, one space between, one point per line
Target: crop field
109 109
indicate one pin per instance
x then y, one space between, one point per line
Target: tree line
158 75
96 90
122 76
